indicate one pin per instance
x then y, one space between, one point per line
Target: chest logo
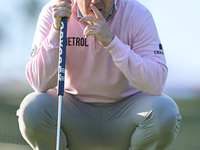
76 41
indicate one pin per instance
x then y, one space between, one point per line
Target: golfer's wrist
53 37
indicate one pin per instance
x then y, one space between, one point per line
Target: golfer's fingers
97 13
61 9
90 19
68 1
88 29
91 32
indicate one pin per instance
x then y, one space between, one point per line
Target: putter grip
62 56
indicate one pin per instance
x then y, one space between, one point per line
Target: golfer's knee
167 120
31 112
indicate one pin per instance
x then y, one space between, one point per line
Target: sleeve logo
160 51
34 51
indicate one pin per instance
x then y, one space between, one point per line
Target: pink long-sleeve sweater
134 61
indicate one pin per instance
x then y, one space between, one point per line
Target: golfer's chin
91 14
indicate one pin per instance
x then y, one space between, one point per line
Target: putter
61 74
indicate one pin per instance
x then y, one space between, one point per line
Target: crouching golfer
114 78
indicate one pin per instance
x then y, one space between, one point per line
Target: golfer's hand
98 27
60 8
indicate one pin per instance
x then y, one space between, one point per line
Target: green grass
189 133
187 139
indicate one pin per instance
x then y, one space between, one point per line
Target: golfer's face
104 6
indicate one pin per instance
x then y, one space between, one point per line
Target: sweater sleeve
42 68
143 62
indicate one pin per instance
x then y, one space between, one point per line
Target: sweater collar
77 14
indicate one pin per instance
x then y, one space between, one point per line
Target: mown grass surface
189 133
